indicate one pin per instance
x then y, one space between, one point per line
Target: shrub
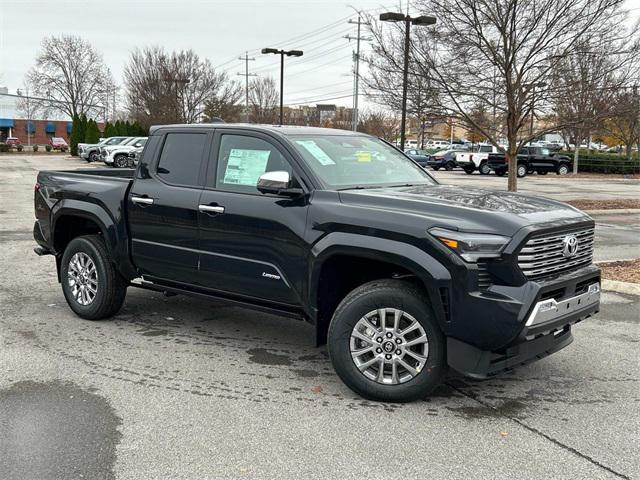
20 147
597 162
48 148
4 147
35 148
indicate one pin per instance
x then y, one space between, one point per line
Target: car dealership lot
183 388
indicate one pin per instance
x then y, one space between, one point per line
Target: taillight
439 158
36 187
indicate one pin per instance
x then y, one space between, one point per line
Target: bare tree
28 108
502 53
225 104
624 123
380 123
263 100
69 76
164 87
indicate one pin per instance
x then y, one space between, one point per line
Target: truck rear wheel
91 285
385 344
484 169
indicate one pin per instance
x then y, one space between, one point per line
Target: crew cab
476 159
401 276
532 159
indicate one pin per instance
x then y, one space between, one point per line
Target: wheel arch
334 272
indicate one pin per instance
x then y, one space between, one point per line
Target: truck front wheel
521 170
385 344
91 285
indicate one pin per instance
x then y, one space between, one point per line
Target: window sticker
319 154
362 156
244 167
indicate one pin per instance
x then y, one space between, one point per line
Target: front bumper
546 330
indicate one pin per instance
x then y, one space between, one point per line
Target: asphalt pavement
181 388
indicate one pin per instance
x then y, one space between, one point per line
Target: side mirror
278 182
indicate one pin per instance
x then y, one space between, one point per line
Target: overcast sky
219 30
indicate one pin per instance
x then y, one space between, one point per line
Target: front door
251 243
163 207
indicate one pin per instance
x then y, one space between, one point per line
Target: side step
40 251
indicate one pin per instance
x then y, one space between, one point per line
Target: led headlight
471 246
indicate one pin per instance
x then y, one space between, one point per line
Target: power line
319 100
246 83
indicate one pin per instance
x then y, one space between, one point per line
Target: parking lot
181 388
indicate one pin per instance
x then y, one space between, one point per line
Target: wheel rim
121 162
389 346
82 277
563 170
522 171
93 157
484 169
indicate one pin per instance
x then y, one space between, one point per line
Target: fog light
595 288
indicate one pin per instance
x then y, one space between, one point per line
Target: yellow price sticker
363 156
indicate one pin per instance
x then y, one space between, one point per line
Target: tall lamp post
422 20
282 53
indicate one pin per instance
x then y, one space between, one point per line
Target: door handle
142 200
215 209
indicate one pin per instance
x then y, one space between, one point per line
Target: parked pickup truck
91 151
118 155
476 159
532 159
401 276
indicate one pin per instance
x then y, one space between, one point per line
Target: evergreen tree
82 134
139 130
74 139
93 133
129 127
110 130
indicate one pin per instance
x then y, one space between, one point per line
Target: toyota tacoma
401 276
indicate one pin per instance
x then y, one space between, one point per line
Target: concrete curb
621 287
613 211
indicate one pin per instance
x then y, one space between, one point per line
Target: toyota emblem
569 246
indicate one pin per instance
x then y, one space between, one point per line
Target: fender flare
110 229
425 267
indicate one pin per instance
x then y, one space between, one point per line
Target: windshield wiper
358 187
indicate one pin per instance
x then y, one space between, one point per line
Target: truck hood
467 209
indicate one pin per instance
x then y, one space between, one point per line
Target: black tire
449 166
436 168
93 157
121 161
111 287
563 169
366 298
501 173
521 170
484 169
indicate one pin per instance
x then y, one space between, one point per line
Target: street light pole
408 21
282 53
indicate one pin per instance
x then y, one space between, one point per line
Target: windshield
114 141
351 161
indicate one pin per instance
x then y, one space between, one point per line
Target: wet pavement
183 388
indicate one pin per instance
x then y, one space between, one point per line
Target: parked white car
91 151
118 155
439 144
476 159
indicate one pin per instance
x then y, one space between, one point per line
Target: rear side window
181 157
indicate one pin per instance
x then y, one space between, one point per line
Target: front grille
543 255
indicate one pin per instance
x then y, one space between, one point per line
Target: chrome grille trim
542 254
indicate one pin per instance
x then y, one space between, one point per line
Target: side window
181 157
243 159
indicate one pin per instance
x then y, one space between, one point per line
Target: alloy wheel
389 346
82 277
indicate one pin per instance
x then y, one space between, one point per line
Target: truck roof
285 130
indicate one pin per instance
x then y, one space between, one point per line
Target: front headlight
471 246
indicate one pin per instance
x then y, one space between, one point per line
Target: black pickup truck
401 276
532 159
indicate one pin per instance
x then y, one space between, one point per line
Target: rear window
181 158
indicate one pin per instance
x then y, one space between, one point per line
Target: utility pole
246 83
356 69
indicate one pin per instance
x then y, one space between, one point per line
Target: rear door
163 206
252 243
